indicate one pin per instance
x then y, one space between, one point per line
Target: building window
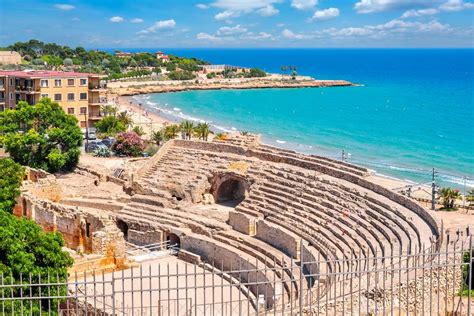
83 82
57 82
11 95
70 82
11 82
58 97
44 95
83 110
70 96
83 96
44 83
83 124
70 110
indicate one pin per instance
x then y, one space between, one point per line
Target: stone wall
279 238
224 258
79 227
242 223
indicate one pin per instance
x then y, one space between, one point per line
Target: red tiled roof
46 74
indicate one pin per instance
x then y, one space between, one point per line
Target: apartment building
79 94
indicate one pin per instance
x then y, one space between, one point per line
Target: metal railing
419 283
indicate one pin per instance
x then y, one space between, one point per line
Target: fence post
469 282
113 292
301 277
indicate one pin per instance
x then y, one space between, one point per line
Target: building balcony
95 116
2 100
27 89
97 87
2 87
97 101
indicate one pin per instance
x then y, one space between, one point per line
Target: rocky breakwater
145 87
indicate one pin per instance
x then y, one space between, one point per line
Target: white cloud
202 6
456 5
286 33
234 8
304 4
227 30
136 20
371 6
116 19
225 15
207 37
392 27
269 10
418 13
261 35
159 26
64 7
326 14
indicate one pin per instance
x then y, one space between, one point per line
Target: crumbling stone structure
238 198
84 230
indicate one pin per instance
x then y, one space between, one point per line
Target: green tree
28 253
187 127
171 131
109 109
202 130
41 136
11 175
448 197
138 130
110 125
158 137
125 118
470 197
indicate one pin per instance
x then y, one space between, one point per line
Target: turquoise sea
413 112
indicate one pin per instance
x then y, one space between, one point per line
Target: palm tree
448 197
158 137
171 131
202 131
109 109
125 118
470 197
187 127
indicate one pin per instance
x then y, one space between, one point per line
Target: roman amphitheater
239 227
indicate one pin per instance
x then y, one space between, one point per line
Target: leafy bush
102 152
181 75
129 144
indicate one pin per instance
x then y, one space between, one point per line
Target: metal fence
419 283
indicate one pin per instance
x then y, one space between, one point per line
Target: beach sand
148 121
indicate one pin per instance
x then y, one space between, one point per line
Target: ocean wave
280 141
176 109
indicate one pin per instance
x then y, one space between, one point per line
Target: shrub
129 144
102 152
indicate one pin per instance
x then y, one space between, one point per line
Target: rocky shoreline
135 88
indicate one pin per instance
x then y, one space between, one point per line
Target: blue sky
240 23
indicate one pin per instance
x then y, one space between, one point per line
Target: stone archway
174 240
229 189
124 228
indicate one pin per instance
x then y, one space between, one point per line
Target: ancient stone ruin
238 203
